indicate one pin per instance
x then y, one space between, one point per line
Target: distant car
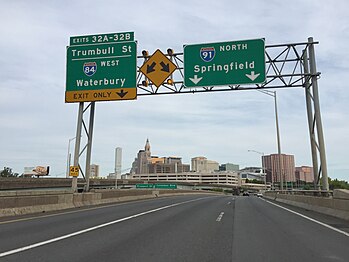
245 194
259 195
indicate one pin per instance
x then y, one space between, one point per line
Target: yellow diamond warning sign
157 68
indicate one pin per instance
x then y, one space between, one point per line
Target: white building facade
221 178
202 164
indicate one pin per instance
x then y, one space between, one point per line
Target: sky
36 124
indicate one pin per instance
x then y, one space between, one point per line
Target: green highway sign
166 186
224 63
158 186
101 72
144 185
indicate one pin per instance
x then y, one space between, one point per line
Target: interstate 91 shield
207 53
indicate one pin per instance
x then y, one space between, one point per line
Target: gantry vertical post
77 144
89 146
311 121
317 113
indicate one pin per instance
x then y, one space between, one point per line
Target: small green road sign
166 186
224 63
144 185
101 72
158 186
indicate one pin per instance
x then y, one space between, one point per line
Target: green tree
337 184
7 172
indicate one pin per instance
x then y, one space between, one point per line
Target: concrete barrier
25 202
336 205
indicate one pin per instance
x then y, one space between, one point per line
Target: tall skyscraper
118 159
271 166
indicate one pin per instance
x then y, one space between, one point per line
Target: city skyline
270 164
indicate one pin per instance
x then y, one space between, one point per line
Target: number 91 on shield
207 53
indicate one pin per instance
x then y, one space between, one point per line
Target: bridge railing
333 203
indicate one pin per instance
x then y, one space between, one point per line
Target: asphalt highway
182 228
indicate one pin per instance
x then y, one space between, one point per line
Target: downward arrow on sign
252 76
196 79
150 68
165 67
122 93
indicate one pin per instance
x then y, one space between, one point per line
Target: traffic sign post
224 63
101 72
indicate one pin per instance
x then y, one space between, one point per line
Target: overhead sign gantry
104 67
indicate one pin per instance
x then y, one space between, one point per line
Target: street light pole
273 94
278 142
69 157
263 169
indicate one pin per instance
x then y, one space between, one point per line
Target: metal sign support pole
318 121
311 122
77 144
89 146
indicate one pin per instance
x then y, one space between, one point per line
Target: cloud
36 124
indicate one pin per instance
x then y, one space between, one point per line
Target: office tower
118 159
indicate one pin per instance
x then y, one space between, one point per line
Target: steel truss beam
284 68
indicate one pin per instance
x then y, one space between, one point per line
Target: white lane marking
219 218
309 218
21 249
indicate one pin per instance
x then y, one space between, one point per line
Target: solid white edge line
309 218
17 250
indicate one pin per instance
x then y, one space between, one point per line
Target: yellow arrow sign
157 68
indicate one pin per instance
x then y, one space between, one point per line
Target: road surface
182 228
